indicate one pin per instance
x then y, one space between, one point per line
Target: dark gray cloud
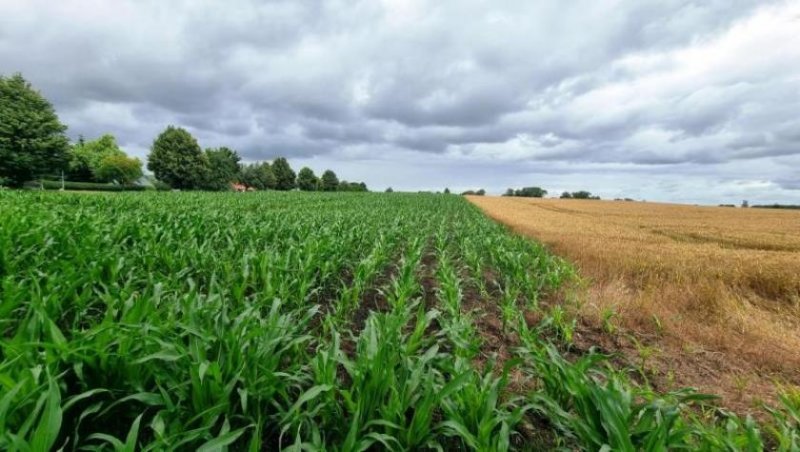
676 98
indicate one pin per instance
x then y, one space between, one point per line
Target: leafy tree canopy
329 181
352 186
32 139
530 192
258 176
307 180
582 194
223 168
285 177
119 168
85 158
176 159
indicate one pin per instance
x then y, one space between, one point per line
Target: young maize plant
308 321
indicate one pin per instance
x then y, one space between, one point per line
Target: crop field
714 292
316 321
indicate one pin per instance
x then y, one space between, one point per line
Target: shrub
81 186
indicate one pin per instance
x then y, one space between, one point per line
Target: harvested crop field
705 296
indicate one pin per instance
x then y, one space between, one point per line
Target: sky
669 100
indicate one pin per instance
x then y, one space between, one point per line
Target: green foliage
583 194
177 160
80 186
198 321
479 192
119 168
223 168
775 206
352 186
307 180
86 158
285 178
258 176
527 192
32 139
329 181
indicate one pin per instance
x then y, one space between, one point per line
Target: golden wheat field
701 296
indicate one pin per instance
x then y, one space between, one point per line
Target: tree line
177 160
538 192
34 146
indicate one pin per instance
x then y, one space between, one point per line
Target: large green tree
32 139
258 176
176 159
307 180
223 168
85 158
119 168
329 181
284 175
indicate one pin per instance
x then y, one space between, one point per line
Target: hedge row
87 186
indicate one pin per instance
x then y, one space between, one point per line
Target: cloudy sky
672 100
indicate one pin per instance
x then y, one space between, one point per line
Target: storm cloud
673 100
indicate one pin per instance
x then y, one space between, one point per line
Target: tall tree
176 159
32 139
307 180
223 168
284 175
85 158
258 176
119 168
329 181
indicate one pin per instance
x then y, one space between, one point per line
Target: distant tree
509 192
32 139
177 160
583 194
352 186
258 176
745 204
223 168
307 180
119 168
446 191
566 195
85 158
480 192
285 178
329 181
389 190
530 192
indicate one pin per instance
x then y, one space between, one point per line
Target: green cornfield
311 321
